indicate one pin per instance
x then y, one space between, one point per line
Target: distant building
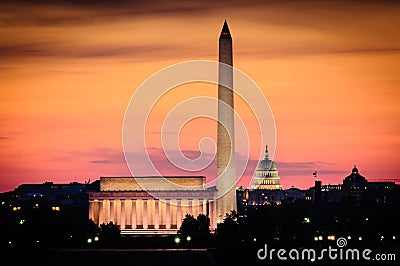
318 192
53 196
266 176
356 190
354 186
268 196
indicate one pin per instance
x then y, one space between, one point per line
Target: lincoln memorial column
156 214
139 213
134 214
195 208
183 206
106 211
162 213
91 210
212 214
112 211
101 211
173 212
145 214
200 207
190 208
123 212
128 215
167 214
178 213
150 213
117 207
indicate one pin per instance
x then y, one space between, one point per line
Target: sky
330 71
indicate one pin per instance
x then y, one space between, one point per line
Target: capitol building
266 176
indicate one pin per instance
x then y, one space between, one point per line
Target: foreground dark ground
40 237
150 257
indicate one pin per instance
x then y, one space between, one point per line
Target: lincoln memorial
159 209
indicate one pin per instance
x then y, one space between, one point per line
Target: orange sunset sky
330 71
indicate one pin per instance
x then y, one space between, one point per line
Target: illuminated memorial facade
159 209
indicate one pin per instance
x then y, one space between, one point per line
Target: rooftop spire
225 34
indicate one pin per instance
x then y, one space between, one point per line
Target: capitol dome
266 175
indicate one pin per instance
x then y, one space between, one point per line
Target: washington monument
226 173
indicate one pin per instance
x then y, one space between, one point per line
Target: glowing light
255 239
22 221
316 238
306 220
89 240
55 208
394 237
96 238
177 240
360 238
320 238
188 238
349 237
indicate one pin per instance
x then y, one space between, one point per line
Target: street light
188 238
177 240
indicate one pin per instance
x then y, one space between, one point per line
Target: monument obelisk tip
225 33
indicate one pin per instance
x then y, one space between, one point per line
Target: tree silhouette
110 234
197 229
203 227
189 227
92 229
229 229
228 238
